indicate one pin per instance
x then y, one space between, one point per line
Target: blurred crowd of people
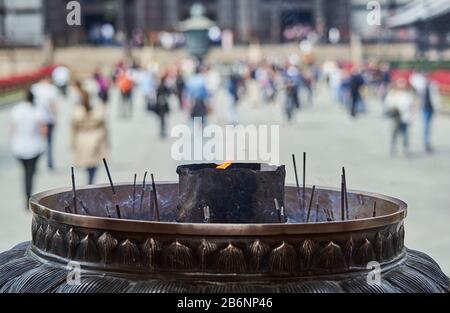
193 86
402 98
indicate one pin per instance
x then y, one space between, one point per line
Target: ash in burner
235 193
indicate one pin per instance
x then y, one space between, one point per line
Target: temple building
430 19
263 21
250 20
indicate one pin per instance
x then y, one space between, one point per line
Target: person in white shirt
46 97
28 131
400 103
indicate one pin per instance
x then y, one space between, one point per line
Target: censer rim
216 229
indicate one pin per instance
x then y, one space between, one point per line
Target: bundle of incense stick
74 193
68 208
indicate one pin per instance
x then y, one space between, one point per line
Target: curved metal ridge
39 257
229 230
266 256
398 276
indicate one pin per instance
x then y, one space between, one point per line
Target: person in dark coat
162 105
356 83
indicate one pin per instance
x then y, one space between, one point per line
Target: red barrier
442 77
22 81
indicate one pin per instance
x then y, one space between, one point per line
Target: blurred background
355 83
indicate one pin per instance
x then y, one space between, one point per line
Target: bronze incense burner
362 253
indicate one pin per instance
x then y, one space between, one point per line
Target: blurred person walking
292 101
335 78
431 102
356 83
103 86
308 84
28 133
162 105
125 84
234 84
89 134
292 80
149 85
180 86
264 76
46 96
385 80
400 105
198 95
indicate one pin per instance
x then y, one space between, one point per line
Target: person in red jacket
125 84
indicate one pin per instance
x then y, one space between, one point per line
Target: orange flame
224 166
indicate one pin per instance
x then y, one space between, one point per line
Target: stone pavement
329 136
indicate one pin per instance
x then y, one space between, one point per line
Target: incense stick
112 188
317 210
342 199
304 181
345 193
332 215
74 192
155 197
297 183
134 190
107 211
83 206
327 215
310 203
151 206
143 192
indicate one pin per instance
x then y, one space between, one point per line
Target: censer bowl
363 253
